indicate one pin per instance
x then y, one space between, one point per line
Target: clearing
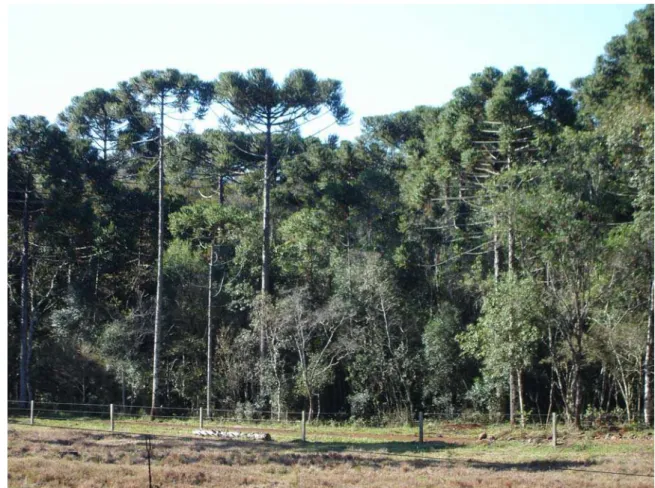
56 455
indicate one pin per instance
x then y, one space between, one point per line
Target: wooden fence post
31 412
303 430
111 416
201 418
420 427
554 430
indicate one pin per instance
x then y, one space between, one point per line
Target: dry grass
42 456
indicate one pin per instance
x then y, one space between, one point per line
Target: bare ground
40 456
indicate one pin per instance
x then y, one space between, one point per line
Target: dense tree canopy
489 255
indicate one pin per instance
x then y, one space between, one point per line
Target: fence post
201 417
420 427
111 417
303 429
31 412
554 430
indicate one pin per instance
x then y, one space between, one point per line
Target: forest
493 254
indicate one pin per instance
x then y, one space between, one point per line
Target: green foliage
506 334
443 360
254 97
413 268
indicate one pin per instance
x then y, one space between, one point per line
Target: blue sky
389 57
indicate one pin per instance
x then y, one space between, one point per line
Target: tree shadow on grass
537 465
396 453
322 454
375 455
391 447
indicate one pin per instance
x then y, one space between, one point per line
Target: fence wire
101 410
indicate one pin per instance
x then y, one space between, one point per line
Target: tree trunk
25 304
577 397
496 247
519 382
95 289
510 272
550 396
512 397
510 251
209 331
279 399
510 235
266 226
638 397
496 253
160 264
311 406
123 385
221 190
648 364
603 376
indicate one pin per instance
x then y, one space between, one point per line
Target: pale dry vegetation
40 456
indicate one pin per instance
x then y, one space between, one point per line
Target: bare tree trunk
638 397
123 385
519 382
609 396
25 304
209 331
496 247
648 364
577 397
311 406
266 225
563 383
512 397
624 385
279 399
510 251
550 395
603 376
510 271
496 252
160 264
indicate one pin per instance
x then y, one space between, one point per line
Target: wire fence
175 415
177 423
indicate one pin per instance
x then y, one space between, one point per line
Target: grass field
60 453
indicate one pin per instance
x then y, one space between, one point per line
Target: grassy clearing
355 456
328 431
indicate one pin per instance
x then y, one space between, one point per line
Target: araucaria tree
163 92
260 104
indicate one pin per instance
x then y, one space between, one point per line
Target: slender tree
165 91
